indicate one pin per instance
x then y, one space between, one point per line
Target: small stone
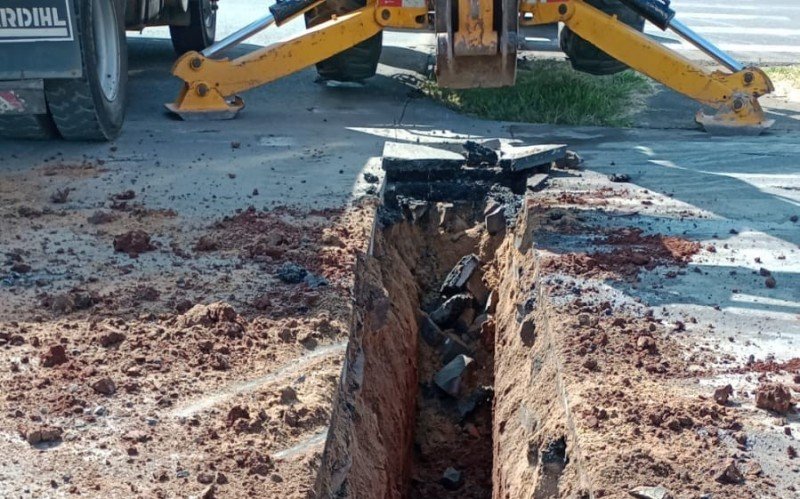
44 434
770 282
104 386
54 356
730 474
658 492
291 273
791 452
722 394
111 338
449 377
100 411
133 243
452 479
764 272
206 243
237 412
101 217
527 331
288 395
619 177
205 478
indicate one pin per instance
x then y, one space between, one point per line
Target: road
747 28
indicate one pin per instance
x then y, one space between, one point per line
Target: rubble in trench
528 380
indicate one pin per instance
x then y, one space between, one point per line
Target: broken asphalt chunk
449 377
496 220
452 347
730 474
479 154
449 311
399 158
460 275
538 157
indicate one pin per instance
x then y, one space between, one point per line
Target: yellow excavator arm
474 51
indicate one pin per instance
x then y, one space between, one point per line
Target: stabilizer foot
233 107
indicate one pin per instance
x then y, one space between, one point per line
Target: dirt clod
44 434
104 386
55 355
722 394
730 474
133 243
774 397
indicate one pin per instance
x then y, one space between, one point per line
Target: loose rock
774 397
651 493
460 275
730 474
133 243
449 377
54 356
104 386
449 311
452 479
722 394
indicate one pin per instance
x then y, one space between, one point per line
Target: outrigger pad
234 106
727 128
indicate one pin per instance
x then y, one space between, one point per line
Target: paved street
749 29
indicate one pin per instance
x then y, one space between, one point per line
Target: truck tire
201 31
28 126
93 107
354 64
585 56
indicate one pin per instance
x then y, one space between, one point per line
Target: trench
416 415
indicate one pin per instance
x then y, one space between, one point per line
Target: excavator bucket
476 43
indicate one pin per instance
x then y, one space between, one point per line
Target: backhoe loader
476 46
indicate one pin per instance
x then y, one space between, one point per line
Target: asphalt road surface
751 30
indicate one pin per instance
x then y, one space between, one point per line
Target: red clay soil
630 251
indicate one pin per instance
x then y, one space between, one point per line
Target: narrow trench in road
414 414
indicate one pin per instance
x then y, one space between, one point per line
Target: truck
64 64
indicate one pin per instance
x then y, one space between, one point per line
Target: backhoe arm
734 95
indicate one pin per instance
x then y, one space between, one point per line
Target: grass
787 75
550 91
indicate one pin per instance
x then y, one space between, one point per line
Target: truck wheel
28 126
93 107
585 56
200 32
354 64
